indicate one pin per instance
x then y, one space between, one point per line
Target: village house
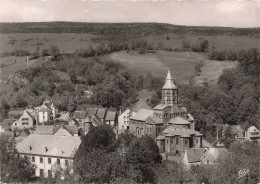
48 151
236 131
168 123
124 117
192 156
26 120
212 155
123 120
252 133
47 111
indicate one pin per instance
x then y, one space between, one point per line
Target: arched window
168 100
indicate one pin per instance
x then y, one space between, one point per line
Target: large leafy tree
14 167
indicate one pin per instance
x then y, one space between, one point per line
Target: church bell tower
169 91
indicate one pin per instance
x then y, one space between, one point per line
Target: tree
13 167
143 155
171 172
72 75
45 52
243 155
54 51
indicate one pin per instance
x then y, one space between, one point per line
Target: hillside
182 65
69 36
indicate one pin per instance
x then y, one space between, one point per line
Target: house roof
153 120
25 131
80 114
194 154
91 111
44 130
160 107
15 113
179 121
169 82
110 116
160 137
101 113
7 134
9 121
182 132
141 104
44 109
96 121
30 114
72 129
190 117
213 154
59 146
142 114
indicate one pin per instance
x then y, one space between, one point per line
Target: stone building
168 123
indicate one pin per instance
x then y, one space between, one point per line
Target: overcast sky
231 13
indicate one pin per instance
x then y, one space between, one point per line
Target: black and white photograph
130 91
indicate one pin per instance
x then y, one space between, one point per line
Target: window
41 160
41 172
177 140
185 142
24 119
197 141
171 140
49 160
33 159
66 162
58 161
122 126
207 161
49 173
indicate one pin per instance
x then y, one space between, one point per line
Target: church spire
169 82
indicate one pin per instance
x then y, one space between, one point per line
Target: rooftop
141 104
179 121
142 114
160 106
44 130
194 154
50 145
110 116
169 82
182 132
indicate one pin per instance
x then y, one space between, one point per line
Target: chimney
46 149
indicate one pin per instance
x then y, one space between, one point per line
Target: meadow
181 64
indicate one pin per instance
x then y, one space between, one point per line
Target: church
168 123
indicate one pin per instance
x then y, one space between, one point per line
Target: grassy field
69 42
66 42
235 43
211 70
182 65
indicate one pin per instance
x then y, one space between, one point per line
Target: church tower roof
169 82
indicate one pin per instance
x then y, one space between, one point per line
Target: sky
224 13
